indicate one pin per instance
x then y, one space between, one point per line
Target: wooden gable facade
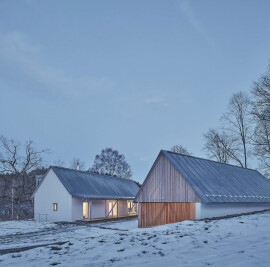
165 184
165 196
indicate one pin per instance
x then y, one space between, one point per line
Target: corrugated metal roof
95 186
219 182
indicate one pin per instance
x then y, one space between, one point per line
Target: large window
130 204
55 206
112 208
86 210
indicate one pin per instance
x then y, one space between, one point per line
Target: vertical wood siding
165 184
153 214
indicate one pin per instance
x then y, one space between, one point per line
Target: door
86 210
113 208
110 208
158 213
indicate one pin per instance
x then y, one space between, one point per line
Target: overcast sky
138 76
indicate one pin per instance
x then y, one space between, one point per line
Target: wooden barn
180 187
71 195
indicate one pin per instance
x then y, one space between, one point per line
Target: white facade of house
69 208
53 203
53 191
211 210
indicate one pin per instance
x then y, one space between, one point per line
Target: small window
55 206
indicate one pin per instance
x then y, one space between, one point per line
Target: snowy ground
239 241
22 227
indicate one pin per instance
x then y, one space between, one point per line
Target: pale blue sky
138 76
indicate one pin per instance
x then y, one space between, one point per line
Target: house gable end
165 184
48 173
52 202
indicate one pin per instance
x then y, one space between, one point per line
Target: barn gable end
181 187
165 184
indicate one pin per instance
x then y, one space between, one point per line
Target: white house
71 195
180 187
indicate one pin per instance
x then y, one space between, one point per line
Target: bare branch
219 146
180 150
261 116
77 164
237 124
16 162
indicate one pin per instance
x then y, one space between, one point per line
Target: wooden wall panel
165 184
159 213
122 208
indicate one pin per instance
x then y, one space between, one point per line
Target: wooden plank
159 213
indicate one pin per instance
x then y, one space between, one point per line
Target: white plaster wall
222 209
98 209
52 191
77 209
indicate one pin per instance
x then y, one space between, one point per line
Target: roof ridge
209 160
88 172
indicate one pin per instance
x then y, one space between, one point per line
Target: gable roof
95 186
219 182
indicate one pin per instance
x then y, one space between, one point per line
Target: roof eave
103 197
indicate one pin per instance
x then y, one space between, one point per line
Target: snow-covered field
22 227
239 241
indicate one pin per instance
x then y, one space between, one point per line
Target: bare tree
77 164
261 141
237 124
261 117
261 95
219 146
110 162
180 150
16 162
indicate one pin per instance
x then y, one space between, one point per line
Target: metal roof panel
95 186
219 182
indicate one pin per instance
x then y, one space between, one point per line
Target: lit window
130 205
55 206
